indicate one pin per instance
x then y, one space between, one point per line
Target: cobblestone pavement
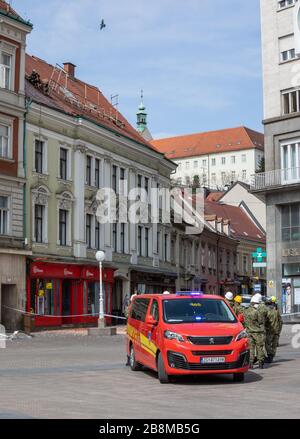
76 376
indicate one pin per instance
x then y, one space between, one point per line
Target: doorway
9 318
66 290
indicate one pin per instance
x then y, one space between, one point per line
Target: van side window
139 309
154 310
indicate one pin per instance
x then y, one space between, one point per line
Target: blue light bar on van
189 293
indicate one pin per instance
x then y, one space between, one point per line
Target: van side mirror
150 320
241 318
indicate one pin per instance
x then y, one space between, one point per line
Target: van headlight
241 335
173 336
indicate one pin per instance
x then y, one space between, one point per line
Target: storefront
143 282
291 288
64 294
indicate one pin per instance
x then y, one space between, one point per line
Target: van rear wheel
134 365
162 375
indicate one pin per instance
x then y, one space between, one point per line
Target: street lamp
100 256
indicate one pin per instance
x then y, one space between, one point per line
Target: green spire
141 115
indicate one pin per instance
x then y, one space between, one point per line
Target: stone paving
71 375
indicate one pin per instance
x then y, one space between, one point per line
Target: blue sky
198 61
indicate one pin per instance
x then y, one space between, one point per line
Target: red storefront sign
67 293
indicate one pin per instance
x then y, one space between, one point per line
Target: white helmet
257 298
229 295
166 292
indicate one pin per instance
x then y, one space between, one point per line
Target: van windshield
197 311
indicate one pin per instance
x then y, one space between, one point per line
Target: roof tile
211 142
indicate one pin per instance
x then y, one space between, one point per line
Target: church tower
142 120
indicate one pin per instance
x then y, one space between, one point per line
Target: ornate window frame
40 195
65 201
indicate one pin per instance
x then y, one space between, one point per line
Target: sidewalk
121 330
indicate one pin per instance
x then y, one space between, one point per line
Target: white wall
277 25
250 165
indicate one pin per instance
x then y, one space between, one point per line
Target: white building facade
216 159
280 184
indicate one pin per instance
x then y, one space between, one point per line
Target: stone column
79 207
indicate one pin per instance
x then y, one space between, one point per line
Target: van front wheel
134 365
162 375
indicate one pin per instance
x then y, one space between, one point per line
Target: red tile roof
211 142
241 226
77 98
9 11
215 196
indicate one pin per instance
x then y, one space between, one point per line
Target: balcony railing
278 177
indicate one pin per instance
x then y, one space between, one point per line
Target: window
233 175
115 237
213 162
244 174
63 164
4 141
287 55
39 156
291 101
223 160
158 243
244 158
39 223
204 163
139 181
88 230
290 222
97 234
147 184
122 238
139 309
223 177
139 241
155 310
88 178
146 242
122 181
213 178
166 247
3 215
97 173
195 163
290 162
63 215
233 159
285 3
5 70
245 264
187 165
114 178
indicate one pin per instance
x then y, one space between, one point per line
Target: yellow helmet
238 299
273 299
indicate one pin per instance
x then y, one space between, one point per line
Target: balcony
275 179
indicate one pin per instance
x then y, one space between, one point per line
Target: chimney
70 69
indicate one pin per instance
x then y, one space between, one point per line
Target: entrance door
66 300
9 317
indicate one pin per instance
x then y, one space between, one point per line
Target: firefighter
255 326
273 329
237 306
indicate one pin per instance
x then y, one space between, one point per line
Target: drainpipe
28 103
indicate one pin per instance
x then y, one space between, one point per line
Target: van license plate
212 360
